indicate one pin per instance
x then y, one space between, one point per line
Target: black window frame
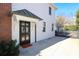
52 27
50 11
44 26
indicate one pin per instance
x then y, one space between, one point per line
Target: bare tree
60 20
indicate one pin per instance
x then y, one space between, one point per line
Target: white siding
44 35
41 10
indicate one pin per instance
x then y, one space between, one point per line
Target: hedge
9 49
71 28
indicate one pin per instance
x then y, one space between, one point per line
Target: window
49 10
44 26
52 27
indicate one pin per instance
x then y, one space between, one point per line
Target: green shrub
78 27
71 28
9 48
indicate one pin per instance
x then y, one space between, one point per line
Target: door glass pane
23 23
22 29
27 37
23 38
27 24
27 29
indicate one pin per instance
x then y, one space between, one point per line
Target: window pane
22 29
49 11
27 24
23 23
52 27
27 29
23 38
27 37
44 26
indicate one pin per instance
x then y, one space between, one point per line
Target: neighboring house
30 22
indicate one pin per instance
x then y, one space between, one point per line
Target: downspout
35 34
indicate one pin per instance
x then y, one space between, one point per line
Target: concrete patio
56 46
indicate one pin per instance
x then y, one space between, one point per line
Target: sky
66 9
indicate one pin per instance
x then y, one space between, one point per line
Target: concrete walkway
39 46
56 46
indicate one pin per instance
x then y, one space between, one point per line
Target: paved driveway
74 34
67 47
39 46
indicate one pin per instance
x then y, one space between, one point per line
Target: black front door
24 32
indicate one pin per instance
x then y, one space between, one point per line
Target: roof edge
52 6
36 17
